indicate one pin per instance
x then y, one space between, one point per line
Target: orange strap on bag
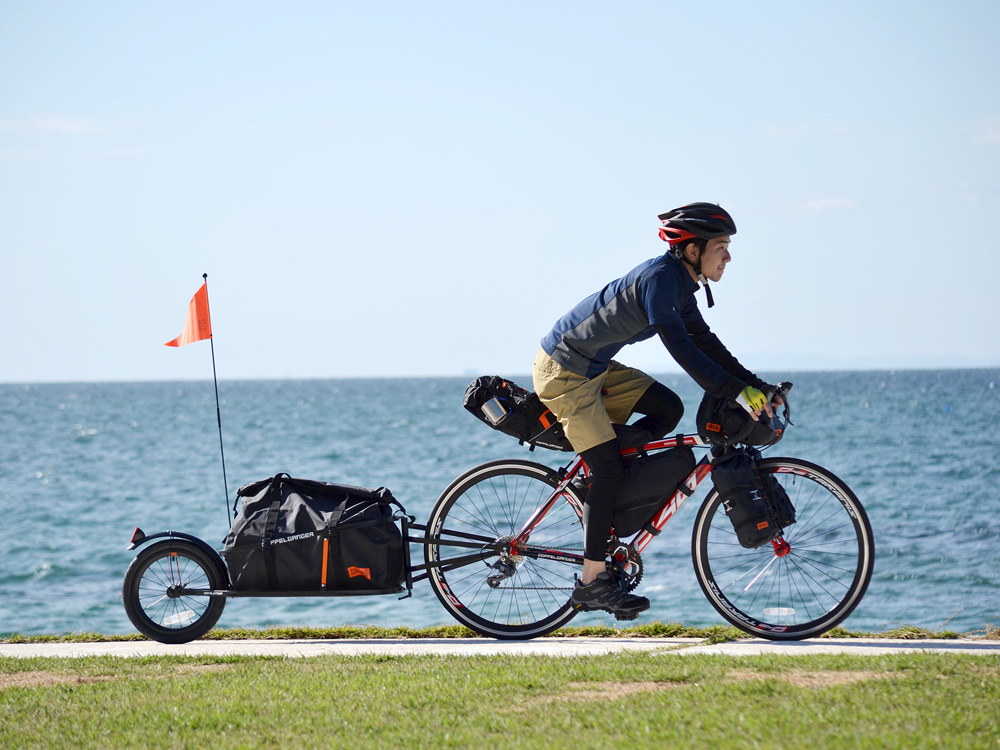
326 557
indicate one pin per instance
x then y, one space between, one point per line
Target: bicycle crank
625 567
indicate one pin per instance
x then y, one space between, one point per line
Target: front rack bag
302 535
757 505
723 422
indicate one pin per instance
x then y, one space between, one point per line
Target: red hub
781 547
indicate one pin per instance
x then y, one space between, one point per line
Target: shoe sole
627 614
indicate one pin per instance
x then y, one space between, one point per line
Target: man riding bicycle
577 379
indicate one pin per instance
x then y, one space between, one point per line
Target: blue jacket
655 297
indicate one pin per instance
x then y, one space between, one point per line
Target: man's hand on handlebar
758 402
755 402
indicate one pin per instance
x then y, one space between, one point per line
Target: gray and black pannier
757 505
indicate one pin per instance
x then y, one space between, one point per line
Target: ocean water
81 465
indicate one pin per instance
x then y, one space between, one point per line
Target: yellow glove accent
751 399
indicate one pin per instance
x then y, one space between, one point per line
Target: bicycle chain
542 588
533 588
563 588
561 549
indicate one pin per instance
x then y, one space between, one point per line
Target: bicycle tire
490 503
810 589
154 610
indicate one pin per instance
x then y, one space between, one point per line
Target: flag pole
218 416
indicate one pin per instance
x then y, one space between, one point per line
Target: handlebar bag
722 421
518 412
758 507
303 535
649 483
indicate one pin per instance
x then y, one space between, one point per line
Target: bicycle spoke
810 581
815 563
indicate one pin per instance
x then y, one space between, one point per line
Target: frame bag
509 408
758 507
301 535
649 483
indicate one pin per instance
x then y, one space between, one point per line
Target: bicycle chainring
625 566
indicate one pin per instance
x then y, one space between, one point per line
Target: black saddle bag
649 482
509 408
757 505
302 535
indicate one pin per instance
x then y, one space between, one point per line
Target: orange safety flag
199 322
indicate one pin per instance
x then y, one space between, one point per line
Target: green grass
713 634
626 699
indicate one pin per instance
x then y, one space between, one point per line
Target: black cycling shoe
605 594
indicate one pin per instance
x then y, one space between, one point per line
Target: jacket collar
687 284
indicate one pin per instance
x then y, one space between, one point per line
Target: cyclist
575 376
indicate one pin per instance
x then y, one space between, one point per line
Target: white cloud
988 130
68 125
14 154
117 153
806 129
788 130
830 204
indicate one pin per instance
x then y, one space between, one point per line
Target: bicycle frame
642 539
481 547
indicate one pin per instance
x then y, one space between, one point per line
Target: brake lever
783 389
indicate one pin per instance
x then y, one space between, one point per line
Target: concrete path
484 647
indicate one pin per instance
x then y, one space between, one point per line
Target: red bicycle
504 544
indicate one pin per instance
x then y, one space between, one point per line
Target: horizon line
525 375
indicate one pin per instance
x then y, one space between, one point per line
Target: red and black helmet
696 221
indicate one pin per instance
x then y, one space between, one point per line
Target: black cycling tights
662 408
663 411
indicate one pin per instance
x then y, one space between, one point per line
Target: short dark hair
679 248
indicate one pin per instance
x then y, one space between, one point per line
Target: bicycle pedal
632 616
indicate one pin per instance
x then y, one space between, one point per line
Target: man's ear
691 252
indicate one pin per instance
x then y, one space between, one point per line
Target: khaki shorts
586 413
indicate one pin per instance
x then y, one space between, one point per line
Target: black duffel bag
302 535
757 505
649 483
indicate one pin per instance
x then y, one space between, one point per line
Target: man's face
715 257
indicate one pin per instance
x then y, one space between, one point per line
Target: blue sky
395 189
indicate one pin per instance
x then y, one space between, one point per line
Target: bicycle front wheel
794 591
496 586
153 592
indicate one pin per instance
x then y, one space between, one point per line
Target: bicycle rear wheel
498 589
796 592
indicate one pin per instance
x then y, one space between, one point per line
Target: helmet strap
708 290
696 267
